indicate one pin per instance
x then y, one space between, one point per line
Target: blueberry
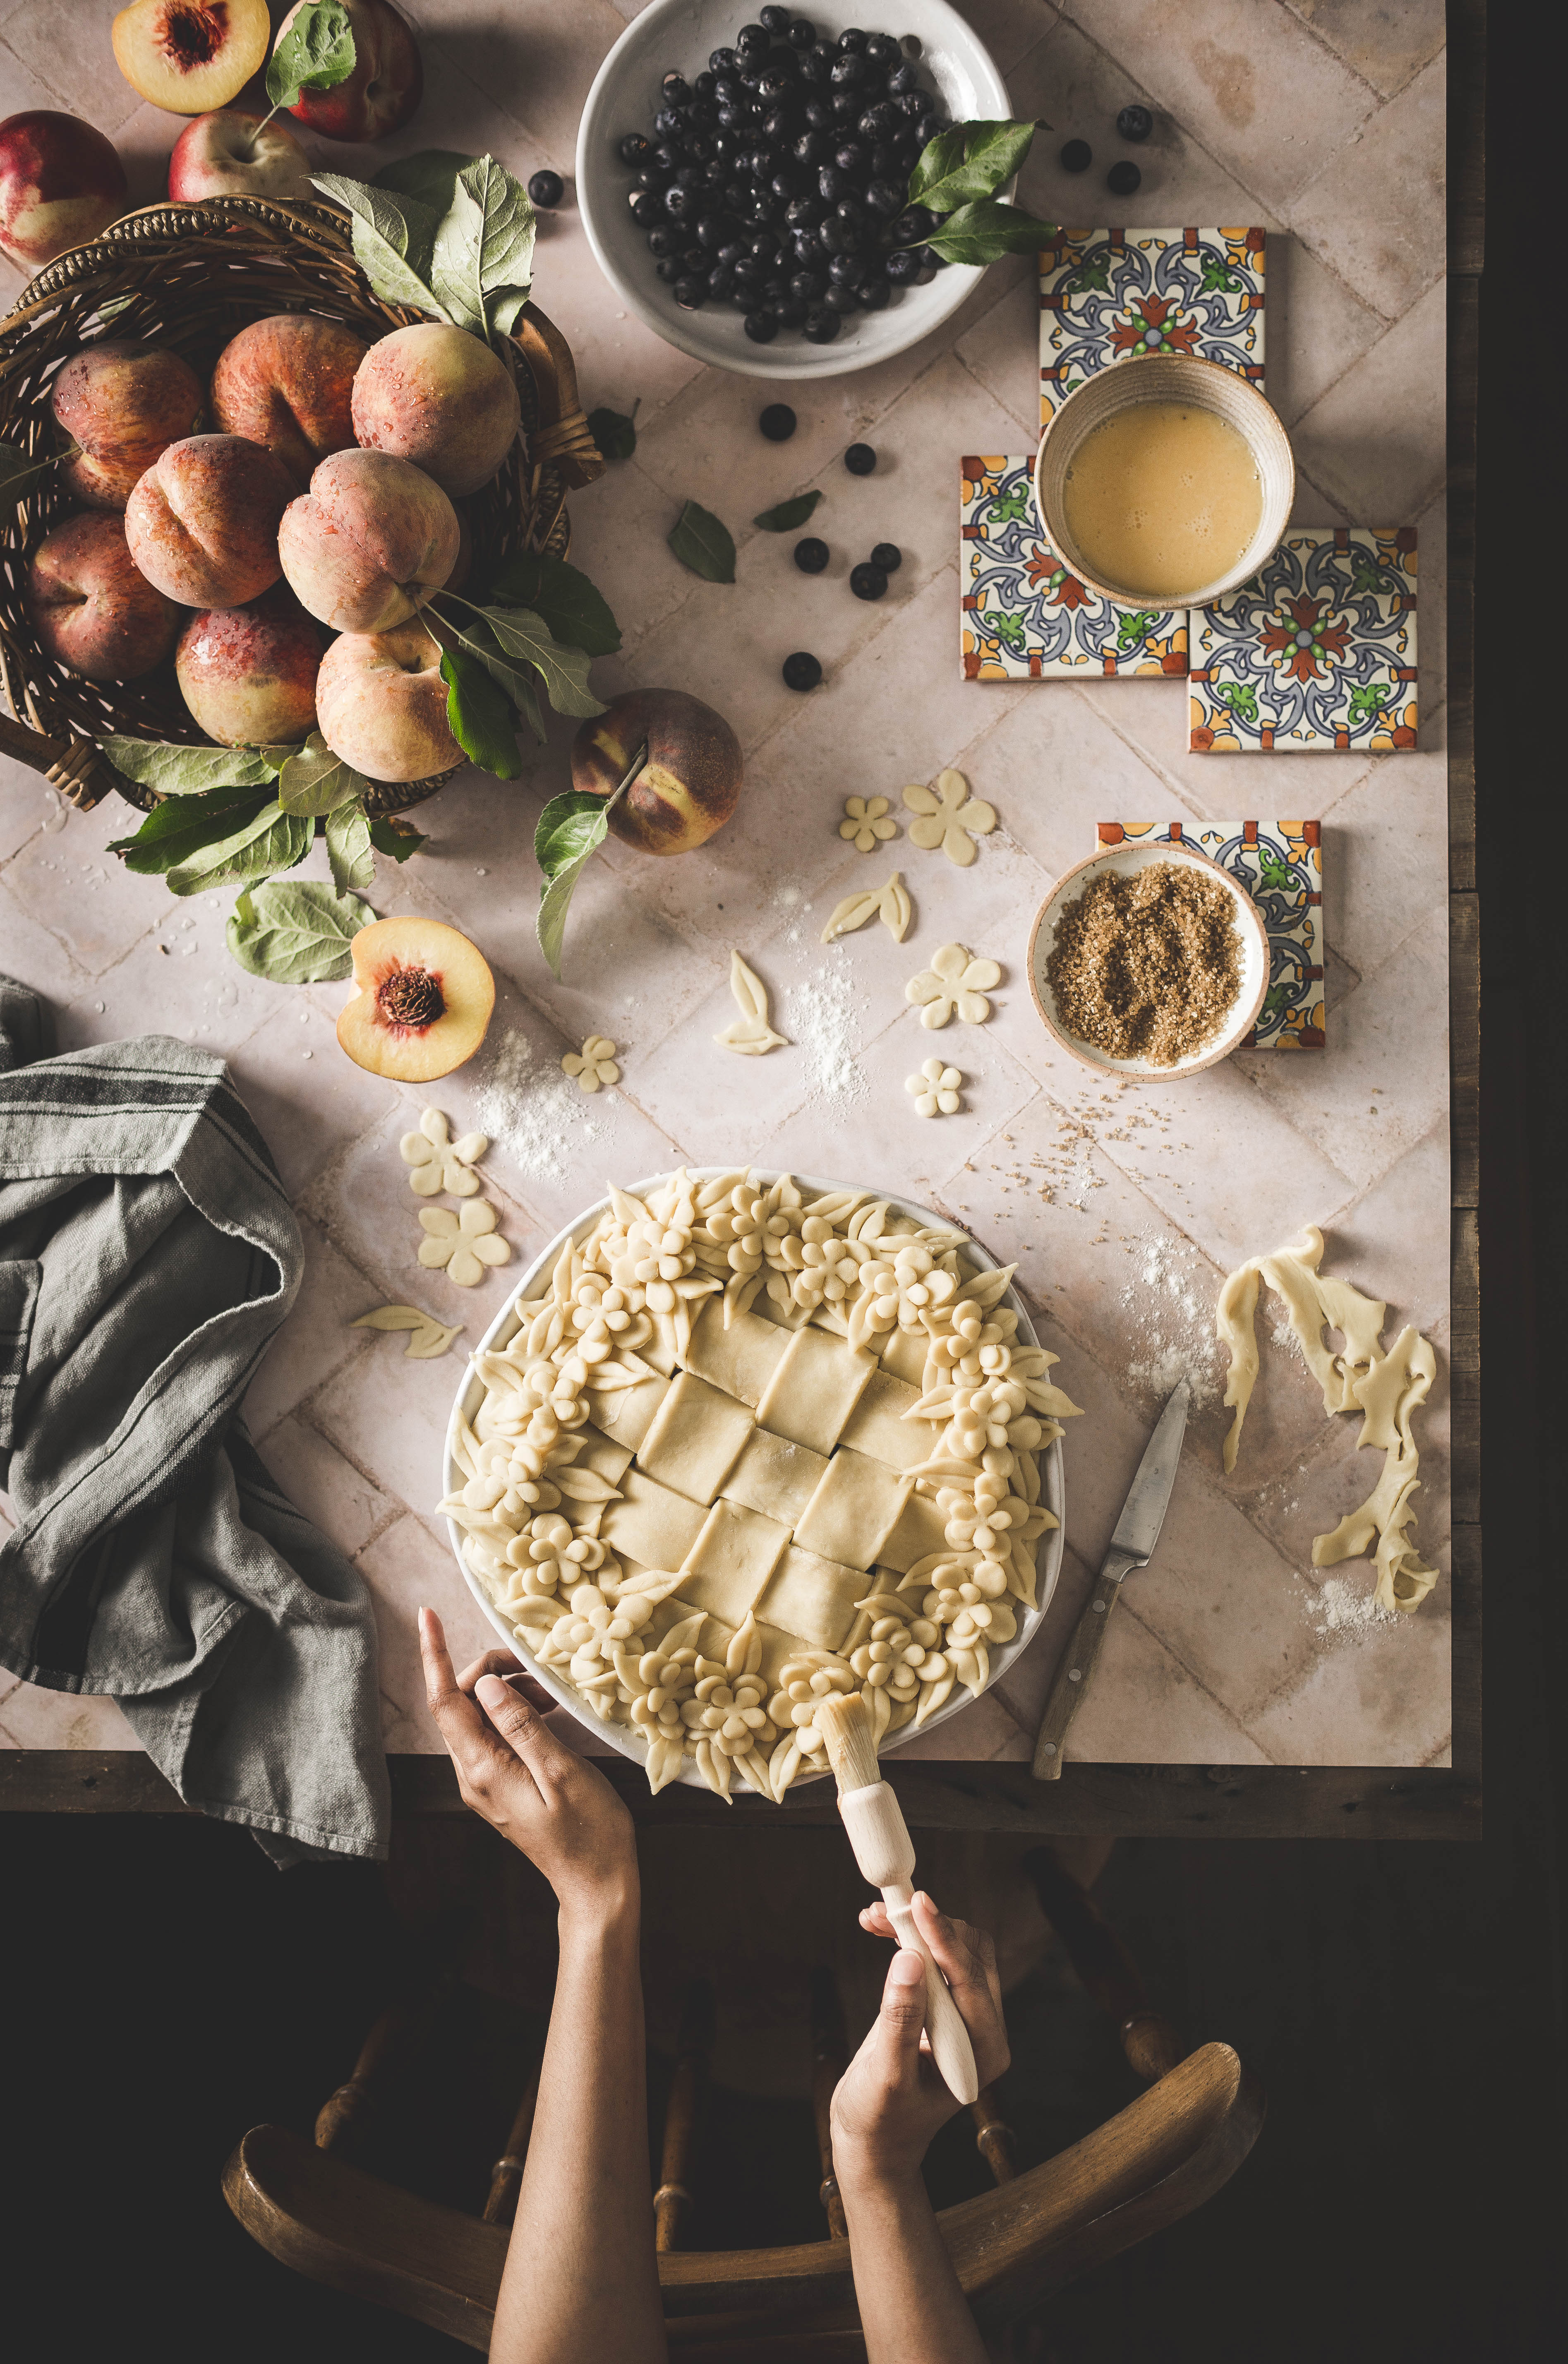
833 181
874 296
818 115
668 125
777 422
885 197
860 459
868 582
851 159
774 20
646 210
811 555
723 61
841 299
811 149
662 240
804 213
879 122
1123 179
753 43
902 266
810 287
883 49
633 148
848 269
677 90
821 324
773 85
913 224
1077 156
839 236
801 670
670 268
902 80
802 34
1134 124
704 85
845 105
853 41
689 294
761 327
787 311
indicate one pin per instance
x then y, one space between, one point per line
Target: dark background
164 1989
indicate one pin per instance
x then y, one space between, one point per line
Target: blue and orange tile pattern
1109 295
1023 616
1316 653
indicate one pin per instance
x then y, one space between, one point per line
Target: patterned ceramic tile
1022 616
1280 863
1111 295
1316 651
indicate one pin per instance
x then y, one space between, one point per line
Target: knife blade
1131 1546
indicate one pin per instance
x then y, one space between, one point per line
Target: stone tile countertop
1124 1204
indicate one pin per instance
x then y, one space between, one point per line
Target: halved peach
188 56
420 1000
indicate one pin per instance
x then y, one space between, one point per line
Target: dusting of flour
1339 1606
529 1107
1170 1303
821 1016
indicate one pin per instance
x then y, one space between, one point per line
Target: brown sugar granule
1147 965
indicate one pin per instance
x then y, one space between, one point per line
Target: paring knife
1137 1533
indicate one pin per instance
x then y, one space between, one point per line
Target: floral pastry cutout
955 984
750 1034
594 1065
465 1243
863 822
936 1089
890 904
949 817
428 1337
439 1163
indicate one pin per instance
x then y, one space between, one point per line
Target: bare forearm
581 2283
912 2309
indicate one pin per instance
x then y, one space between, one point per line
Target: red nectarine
233 153
61 184
249 673
689 784
92 607
384 89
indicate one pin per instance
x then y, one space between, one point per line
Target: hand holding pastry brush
885 1854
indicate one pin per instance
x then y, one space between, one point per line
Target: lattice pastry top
749 1448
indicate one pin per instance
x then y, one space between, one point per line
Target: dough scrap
1387 1389
750 1034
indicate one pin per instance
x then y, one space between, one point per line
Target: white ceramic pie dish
470 1392
624 96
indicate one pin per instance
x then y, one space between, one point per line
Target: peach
689 784
234 152
420 1000
92 607
190 55
437 396
364 548
385 86
285 382
382 705
61 184
249 673
124 405
203 523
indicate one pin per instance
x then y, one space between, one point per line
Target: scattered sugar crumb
529 1108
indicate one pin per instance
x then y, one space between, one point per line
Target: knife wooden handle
1076 1667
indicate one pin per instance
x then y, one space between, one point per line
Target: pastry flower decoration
864 824
936 1089
956 983
594 1065
438 1162
465 1243
948 817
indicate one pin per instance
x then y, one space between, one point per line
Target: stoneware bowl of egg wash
1250 957
1164 482
954 66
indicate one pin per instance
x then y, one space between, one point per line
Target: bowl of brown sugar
1148 960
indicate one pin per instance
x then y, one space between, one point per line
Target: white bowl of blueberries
744 181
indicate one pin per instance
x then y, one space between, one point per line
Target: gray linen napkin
148 1255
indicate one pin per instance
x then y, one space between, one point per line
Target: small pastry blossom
936 1089
465 1243
594 1065
950 817
955 985
439 1163
864 823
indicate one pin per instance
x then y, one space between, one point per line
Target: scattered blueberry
868 582
777 422
1123 179
1133 124
860 459
1077 156
888 557
811 555
546 189
801 670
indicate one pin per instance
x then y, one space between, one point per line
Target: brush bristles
851 1748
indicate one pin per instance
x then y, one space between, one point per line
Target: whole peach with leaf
385 86
688 783
234 152
61 184
381 704
189 56
420 1000
438 397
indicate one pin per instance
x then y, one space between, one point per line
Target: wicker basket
189 277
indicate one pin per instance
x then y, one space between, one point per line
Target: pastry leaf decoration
752 1033
428 1338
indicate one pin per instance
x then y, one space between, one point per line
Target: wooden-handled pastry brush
885 1854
